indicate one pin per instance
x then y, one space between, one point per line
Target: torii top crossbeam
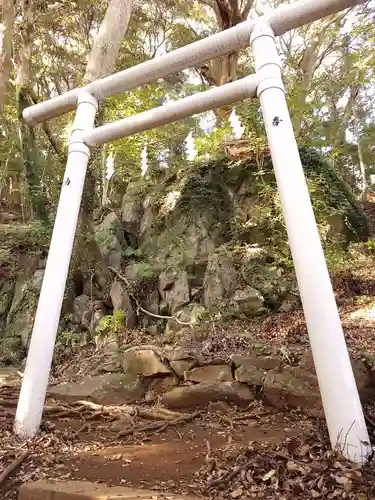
342 407
281 20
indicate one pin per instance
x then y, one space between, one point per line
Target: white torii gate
342 407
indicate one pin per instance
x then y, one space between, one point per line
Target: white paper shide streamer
190 149
237 127
109 166
144 162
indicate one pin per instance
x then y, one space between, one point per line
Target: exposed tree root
13 466
158 426
8 403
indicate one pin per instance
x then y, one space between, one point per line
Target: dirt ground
209 453
219 453
88 448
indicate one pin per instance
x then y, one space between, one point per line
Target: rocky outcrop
294 388
132 211
174 289
261 362
362 373
88 313
206 243
110 238
210 237
181 360
6 298
181 366
186 379
188 316
80 306
18 301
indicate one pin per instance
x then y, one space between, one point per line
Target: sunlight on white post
39 359
342 407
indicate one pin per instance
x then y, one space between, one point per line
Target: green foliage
17 240
28 302
338 259
370 244
357 257
11 350
332 195
205 191
261 349
156 27
68 338
132 253
239 201
145 271
103 237
112 324
30 235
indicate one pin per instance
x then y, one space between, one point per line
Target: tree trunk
6 30
228 13
27 142
102 59
340 133
362 165
101 63
307 65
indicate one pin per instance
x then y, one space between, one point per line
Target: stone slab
200 395
210 373
9 377
83 490
110 388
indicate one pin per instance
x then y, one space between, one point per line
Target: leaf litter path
220 453
136 446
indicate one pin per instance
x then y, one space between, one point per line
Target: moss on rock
201 207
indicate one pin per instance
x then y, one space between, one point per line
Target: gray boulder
121 300
81 304
174 289
144 362
248 301
220 281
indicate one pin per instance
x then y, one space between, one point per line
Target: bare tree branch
214 6
246 9
47 130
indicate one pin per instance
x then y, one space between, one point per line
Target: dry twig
145 311
13 466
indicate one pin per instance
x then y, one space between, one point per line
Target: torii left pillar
39 359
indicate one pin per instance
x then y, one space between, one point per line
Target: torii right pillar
342 406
